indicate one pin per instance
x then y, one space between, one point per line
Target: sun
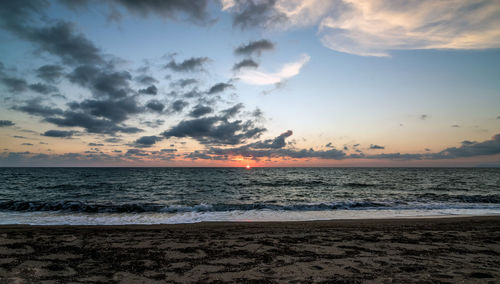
248 167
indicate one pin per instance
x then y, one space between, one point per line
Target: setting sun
248 167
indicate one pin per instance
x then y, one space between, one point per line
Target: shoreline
438 218
449 250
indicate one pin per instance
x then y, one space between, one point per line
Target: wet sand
448 250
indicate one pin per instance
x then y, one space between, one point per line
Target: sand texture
447 250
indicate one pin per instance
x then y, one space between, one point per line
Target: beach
448 250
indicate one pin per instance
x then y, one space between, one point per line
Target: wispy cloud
375 27
256 77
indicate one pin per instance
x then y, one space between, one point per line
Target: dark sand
448 250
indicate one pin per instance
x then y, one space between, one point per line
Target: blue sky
380 83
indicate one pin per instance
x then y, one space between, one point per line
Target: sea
116 196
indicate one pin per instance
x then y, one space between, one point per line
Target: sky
257 82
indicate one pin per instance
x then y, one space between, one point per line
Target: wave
77 206
491 198
83 207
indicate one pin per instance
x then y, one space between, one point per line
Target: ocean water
96 196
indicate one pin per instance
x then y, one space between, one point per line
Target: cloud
102 81
376 147
146 80
251 13
43 88
471 149
276 143
155 105
245 63
375 28
50 73
271 148
232 111
219 88
192 64
14 85
6 123
90 123
200 110
58 133
288 70
424 116
179 105
151 90
117 110
147 141
184 82
61 40
196 11
33 107
215 130
254 47
27 144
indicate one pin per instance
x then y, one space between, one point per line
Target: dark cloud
14 85
155 105
251 13
248 152
471 149
136 152
147 141
232 111
203 156
92 144
146 80
117 110
14 14
179 105
218 88
329 145
184 82
215 130
61 40
376 147
455 126
254 47
276 143
90 123
245 63
196 11
27 144
192 64
271 148
102 82
194 93
424 116
33 107
153 123
113 140
43 88
169 150
200 110
50 73
6 123
58 133
151 90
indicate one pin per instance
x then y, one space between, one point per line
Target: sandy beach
447 250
